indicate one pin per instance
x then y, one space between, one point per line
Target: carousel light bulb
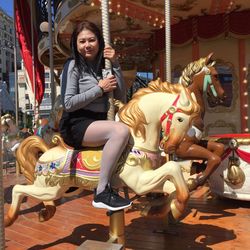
156 19
154 24
110 2
110 10
92 4
246 129
126 8
150 17
246 117
244 68
118 13
245 81
245 105
245 93
118 5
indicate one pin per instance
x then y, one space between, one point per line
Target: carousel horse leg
165 179
41 193
197 152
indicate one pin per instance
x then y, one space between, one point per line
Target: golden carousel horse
160 106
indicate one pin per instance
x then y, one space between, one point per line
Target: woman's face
87 45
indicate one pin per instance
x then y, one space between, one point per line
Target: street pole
51 58
2 232
15 66
35 108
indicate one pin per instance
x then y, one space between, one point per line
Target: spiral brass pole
107 40
167 41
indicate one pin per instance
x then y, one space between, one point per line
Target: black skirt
73 125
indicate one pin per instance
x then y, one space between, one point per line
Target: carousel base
220 182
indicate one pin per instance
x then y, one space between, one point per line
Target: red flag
23 31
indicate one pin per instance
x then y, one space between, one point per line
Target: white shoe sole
102 205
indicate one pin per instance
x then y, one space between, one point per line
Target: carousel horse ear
209 58
184 101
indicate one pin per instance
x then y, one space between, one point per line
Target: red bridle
169 115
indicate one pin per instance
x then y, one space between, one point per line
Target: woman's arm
71 96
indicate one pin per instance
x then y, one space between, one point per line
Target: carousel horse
11 137
49 127
201 78
160 106
10 132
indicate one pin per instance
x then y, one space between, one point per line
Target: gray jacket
81 91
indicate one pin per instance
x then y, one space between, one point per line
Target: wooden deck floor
209 223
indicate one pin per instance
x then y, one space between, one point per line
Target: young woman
85 100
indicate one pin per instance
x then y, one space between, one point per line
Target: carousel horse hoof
174 213
46 213
192 184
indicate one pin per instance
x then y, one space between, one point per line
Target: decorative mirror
229 83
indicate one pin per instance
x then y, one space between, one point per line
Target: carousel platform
209 222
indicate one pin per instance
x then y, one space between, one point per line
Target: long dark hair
80 62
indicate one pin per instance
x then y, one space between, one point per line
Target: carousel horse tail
27 155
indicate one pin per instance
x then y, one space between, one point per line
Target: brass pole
117 227
106 36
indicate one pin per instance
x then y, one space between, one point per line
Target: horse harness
169 116
207 82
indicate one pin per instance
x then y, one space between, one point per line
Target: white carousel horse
10 132
161 106
11 138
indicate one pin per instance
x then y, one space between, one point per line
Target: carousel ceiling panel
132 22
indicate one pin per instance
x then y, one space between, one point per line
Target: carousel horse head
48 129
8 125
56 113
10 131
162 106
201 77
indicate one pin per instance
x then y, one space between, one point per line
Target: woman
85 101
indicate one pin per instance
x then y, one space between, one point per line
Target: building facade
6 46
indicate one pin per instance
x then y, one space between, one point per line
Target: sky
7 6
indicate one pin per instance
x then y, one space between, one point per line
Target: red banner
23 32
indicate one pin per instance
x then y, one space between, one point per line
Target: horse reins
169 116
207 82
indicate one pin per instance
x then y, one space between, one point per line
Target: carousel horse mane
131 113
194 68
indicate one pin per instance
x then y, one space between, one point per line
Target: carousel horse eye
179 119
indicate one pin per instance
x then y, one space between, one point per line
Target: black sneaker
110 200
